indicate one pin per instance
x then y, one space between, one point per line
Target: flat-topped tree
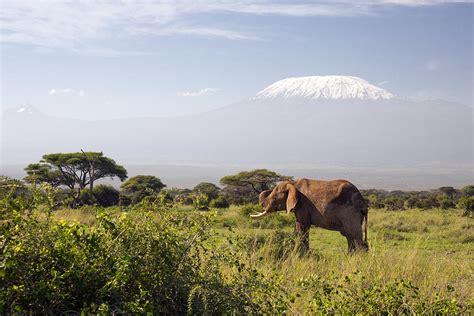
258 180
138 187
209 189
79 169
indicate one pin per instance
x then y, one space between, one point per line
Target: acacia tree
253 182
209 189
258 180
74 170
138 187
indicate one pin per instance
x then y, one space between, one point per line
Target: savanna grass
420 262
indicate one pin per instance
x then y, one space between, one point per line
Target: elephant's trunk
258 215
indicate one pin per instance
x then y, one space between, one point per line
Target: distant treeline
443 198
71 179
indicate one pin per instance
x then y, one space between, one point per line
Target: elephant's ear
263 195
292 199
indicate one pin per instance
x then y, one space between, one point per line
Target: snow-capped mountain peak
324 87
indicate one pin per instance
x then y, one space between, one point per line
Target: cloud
205 91
382 83
212 32
66 91
93 27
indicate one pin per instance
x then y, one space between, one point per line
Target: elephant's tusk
258 215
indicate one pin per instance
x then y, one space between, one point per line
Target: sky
118 59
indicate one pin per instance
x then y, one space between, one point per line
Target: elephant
334 205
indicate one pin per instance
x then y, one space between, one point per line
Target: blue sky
99 60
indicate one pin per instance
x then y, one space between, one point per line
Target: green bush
467 191
467 205
219 202
248 209
155 201
86 197
188 200
342 294
135 264
106 195
139 187
209 189
445 202
393 203
200 202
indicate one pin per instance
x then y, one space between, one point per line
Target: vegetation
209 189
245 186
74 171
106 195
139 187
158 255
443 198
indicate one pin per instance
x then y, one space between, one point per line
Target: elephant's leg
302 232
353 233
351 244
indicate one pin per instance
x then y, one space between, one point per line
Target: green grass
433 250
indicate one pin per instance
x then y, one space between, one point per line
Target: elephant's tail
366 223
362 205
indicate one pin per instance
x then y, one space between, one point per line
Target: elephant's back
327 193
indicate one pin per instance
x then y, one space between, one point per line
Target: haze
181 78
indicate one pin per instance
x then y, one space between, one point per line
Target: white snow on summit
324 87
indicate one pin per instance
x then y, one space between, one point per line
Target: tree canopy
79 169
467 191
138 187
258 180
245 186
209 189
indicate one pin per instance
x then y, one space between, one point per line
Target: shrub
467 205
394 203
201 202
427 203
248 209
239 195
86 197
219 202
342 295
124 199
16 196
156 202
182 196
467 191
188 200
445 202
139 187
106 195
209 189
375 201
410 202
135 264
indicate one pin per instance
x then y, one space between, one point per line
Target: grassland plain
415 255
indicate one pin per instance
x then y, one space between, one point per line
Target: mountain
293 121
324 88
